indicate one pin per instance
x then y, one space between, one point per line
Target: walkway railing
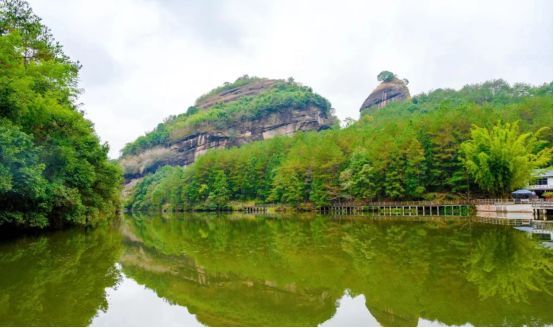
488 201
545 204
492 201
539 187
431 202
408 203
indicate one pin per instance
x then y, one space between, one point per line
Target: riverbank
504 208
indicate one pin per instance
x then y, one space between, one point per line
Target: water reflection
131 304
293 271
57 279
351 312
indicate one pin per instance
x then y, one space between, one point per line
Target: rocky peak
391 89
233 114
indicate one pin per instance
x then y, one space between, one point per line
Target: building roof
523 192
542 173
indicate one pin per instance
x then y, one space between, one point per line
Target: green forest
483 140
254 204
53 169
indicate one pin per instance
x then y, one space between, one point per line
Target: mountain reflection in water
303 270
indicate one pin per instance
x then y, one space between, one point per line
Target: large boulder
386 92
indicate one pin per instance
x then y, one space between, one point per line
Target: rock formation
386 92
185 149
254 87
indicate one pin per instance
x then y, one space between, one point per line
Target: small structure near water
524 195
538 209
543 182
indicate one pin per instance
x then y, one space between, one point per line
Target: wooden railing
431 202
542 203
488 201
413 203
492 201
539 187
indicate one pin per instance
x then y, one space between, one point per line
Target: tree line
480 141
53 169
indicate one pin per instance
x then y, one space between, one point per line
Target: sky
143 60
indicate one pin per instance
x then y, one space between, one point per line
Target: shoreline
507 209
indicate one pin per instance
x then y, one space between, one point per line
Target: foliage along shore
481 141
53 170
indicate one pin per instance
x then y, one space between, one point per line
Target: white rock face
187 149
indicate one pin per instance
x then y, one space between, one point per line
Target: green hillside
407 150
278 96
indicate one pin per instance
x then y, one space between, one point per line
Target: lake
300 270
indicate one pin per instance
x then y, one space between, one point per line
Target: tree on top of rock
386 76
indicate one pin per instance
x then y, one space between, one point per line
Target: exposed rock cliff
248 110
386 92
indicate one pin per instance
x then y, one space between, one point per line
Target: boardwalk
254 209
402 209
542 210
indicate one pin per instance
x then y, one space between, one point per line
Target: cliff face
386 92
187 147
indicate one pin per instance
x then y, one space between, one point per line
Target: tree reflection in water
58 279
509 265
283 271
291 271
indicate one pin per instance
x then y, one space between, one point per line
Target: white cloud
144 60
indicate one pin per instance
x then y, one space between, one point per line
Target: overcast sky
144 60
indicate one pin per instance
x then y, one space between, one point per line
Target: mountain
408 150
391 89
234 114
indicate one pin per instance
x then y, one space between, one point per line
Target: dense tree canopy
53 169
409 150
385 76
501 159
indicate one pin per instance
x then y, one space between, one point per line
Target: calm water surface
238 270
